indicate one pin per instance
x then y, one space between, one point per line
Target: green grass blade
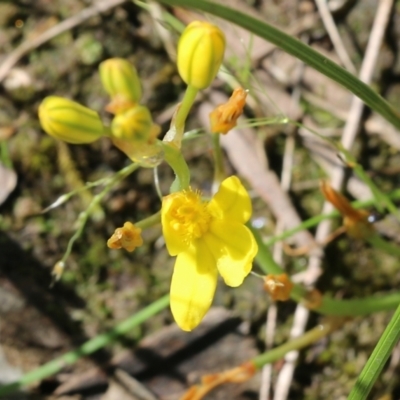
299 50
378 358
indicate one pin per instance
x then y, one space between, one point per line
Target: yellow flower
128 237
69 121
200 53
224 117
207 238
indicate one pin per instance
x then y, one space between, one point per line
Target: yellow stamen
189 215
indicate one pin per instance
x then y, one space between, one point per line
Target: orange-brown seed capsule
279 287
128 237
224 117
355 221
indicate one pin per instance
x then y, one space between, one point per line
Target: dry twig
333 33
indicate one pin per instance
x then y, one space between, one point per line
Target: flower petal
193 285
234 247
174 242
231 201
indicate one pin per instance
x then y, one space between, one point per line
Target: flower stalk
219 168
177 129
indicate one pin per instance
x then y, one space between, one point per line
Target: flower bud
69 121
134 124
201 50
120 80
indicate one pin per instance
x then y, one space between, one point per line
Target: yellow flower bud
200 53
69 121
120 80
134 124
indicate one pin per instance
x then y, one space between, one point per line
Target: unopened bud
134 124
120 80
201 50
69 121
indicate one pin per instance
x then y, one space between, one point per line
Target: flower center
189 215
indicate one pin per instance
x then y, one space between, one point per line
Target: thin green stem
177 129
149 221
167 18
219 169
299 50
173 156
84 215
357 307
185 107
302 341
380 243
87 348
5 154
65 197
382 199
377 360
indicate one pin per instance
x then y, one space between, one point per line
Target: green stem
87 348
84 215
299 50
357 307
305 340
219 172
185 107
5 154
379 243
175 159
377 360
149 221
381 199
175 134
